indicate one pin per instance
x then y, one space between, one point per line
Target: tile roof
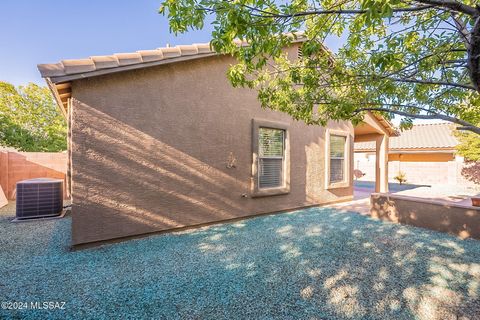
96 63
421 136
67 70
59 75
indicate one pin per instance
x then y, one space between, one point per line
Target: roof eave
84 75
393 132
53 88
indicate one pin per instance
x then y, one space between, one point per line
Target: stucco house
425 153
159 140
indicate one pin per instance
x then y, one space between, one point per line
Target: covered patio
444 208
377 129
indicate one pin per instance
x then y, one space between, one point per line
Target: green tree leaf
30 119
409 59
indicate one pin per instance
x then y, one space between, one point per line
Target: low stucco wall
171 146
438 215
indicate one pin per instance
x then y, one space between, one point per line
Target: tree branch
464 124
474 55
266 14
439 83
462 29
452 5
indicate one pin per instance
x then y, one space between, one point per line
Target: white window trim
347 162
285 188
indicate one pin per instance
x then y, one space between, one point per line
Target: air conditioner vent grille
37 198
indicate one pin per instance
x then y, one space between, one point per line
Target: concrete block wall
424 172
417 172
17 166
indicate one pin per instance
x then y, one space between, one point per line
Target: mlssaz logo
48 305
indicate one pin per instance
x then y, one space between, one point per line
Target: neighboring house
159 139
425 153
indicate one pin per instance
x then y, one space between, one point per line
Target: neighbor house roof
436 136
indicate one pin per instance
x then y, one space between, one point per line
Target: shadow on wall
18 166
150 179
315 184
131 179
162 158
127 182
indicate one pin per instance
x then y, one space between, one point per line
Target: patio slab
363 189
317 263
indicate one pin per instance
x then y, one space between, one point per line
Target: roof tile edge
52 70
78 66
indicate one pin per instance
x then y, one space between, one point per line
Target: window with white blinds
271 157
337 158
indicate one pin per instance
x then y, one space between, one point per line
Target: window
271 156
337 158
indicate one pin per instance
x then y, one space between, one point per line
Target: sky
47 31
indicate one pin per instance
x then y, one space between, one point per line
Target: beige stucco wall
439 215
150 150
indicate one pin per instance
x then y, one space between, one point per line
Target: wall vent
39 198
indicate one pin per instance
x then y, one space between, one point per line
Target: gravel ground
309 264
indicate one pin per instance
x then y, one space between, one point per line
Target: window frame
346 163
285 187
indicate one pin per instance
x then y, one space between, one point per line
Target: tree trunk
473 51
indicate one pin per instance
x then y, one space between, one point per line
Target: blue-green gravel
315 263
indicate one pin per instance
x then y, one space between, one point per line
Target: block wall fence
430 173
16 166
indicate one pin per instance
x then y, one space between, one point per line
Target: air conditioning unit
39 198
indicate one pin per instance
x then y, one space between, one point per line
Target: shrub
401 177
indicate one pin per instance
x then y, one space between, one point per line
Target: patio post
381 163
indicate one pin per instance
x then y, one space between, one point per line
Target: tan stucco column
381 163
